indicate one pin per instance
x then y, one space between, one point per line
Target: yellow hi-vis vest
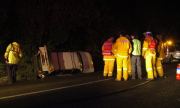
136 47
13 53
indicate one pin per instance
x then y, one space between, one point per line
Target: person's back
136 58
136 47
122 46
107 47
108 57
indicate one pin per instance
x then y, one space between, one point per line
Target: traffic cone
178 72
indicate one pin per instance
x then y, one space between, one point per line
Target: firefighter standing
160 56
149 53
136 58
122 49
108 57
12 56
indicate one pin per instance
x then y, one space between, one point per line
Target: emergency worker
12 56
149 54
108 57
160 56
121 49
136 57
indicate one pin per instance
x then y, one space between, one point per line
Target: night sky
61 22
82 25
129 15
140 16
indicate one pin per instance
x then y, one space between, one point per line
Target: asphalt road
93 91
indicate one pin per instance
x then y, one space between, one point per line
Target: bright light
169 43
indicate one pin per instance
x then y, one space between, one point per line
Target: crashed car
173 53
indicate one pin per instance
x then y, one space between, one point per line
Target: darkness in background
67 25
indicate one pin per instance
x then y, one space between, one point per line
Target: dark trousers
11 72
136 66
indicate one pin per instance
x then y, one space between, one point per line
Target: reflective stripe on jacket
109 58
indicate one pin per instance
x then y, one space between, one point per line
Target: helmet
147 33
111 38
16 44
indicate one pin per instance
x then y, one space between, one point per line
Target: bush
2 70
26 69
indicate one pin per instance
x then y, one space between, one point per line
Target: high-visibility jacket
136 47
122 47
161 50
13 53
107 48
146 43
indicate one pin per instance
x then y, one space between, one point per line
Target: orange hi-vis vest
107 48
152 44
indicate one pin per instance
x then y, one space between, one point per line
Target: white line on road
140 84
75 85
48 90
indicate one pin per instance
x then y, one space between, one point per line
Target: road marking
54 89
140 84
113 93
